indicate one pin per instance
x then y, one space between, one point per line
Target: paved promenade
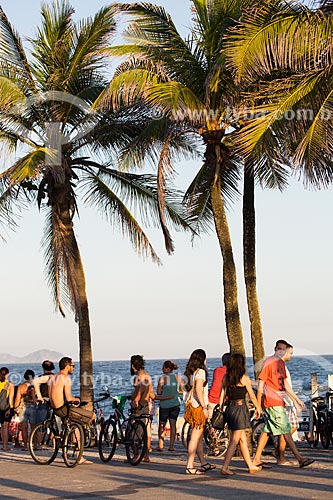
161 479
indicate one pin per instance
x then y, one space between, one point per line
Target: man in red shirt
271 390
215 389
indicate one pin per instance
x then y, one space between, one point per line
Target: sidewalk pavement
163 478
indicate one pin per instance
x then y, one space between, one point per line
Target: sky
166 312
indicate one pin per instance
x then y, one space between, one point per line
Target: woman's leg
161 435
4 435
24 428
235 437
245 451
172 433
194 447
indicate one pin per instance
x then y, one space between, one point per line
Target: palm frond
112 207
278 36
280 100
59 262
92 35
12 51
29 166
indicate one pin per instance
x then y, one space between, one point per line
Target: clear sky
166 312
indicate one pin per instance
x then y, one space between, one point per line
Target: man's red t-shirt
273 374
215 390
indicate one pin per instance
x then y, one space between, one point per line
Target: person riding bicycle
60 392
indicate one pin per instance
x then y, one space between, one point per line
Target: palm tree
288 46
190 82
47 116
187 82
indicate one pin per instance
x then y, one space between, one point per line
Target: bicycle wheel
43 446
186 434
73 444
315 431
87 436
256 431
135 441
107 440
216 440
324 432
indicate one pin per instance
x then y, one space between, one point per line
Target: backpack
4 403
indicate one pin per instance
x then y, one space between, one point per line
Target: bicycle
217 441
318 405
92 430
326 421
131 432
46 438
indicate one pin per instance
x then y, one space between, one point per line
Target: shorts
142 409
168 414
292 416
62 411
42 412
28 414
276 421
4 417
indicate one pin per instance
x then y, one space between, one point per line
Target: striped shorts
292 416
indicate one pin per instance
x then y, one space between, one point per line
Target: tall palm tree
297 41
186 80
47 116
189 81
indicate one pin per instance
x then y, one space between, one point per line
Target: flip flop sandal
264 466
254 471
227 473
192 471
207 466
305 463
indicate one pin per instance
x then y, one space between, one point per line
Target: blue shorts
168 414
42 412
28 414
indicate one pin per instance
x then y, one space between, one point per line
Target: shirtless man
142 393
60 391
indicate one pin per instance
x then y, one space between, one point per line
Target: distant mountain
33 357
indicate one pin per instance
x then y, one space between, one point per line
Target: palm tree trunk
86 363
76 284
250 274
232 318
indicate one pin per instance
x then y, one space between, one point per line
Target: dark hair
284 342
65 362
4 370
226 358
138 362
29 375
197 360
236 369
170 365
47 365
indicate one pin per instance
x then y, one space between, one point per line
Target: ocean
116 374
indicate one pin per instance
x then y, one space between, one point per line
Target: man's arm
292 395
136 393
68 391
43 379
11 395
260 392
